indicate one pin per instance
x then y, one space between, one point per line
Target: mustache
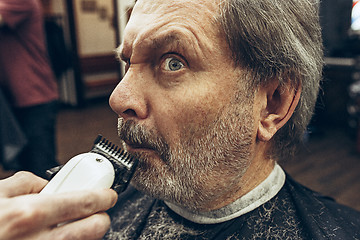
138 136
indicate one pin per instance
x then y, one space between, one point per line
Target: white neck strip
250 201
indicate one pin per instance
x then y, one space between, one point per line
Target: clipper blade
124 164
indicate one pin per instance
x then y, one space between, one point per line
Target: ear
277 104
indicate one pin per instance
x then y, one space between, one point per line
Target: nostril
130 113
128 100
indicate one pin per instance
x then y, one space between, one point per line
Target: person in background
27 79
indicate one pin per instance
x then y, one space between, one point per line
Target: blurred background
83 34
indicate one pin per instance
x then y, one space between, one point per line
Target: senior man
215 93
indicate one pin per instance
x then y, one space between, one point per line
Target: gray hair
278 39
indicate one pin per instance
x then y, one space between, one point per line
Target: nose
128 99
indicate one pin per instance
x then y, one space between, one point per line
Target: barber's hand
27 215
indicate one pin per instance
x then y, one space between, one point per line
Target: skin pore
184 109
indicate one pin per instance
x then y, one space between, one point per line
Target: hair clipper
105 166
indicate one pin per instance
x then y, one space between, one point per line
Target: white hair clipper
105 166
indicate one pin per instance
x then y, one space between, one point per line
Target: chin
164 184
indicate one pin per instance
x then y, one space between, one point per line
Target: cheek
190 115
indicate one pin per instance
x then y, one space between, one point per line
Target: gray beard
202 167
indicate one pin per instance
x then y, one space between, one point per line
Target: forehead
186 6
192 20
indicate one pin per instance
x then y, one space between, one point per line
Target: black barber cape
294 212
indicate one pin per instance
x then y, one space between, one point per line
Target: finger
48 210
77 206
21 183
90 228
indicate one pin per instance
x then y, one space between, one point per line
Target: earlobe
278 105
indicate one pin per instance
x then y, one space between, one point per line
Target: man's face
182 109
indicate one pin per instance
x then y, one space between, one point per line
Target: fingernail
115 198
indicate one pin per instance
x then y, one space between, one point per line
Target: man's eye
173 64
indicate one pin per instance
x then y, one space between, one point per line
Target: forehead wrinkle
173 37
172 26
153 6
183 10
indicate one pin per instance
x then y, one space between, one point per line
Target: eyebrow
166 40
173 39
